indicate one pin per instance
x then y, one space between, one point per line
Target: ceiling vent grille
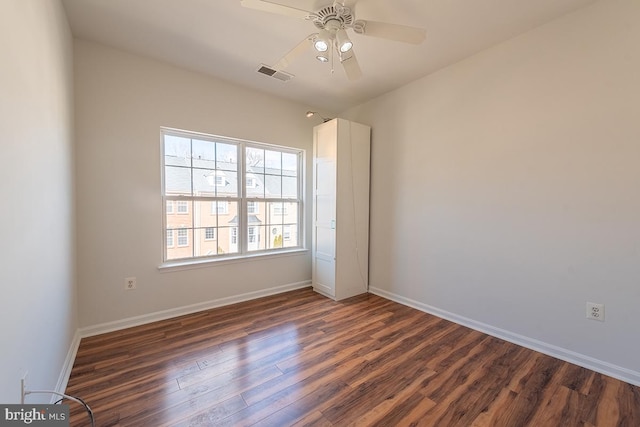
279 75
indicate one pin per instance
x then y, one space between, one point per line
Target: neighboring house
210 227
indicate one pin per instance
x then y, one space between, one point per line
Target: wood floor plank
300 359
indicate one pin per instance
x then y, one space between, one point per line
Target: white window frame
170 238
241 213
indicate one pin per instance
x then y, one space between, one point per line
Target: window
279 209
251 182
209 233
183 237
183 207
229 194
219 208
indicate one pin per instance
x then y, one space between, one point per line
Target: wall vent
280 75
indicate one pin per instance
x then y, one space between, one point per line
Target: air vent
280 75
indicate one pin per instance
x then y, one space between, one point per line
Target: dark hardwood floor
301 359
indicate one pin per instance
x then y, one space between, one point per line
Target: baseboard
181 311
596 365
65 373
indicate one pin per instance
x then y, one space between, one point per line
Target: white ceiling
226 40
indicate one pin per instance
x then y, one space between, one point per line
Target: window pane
226 157
254 185
177 151
204 182
290 223
255 160
227 184
203 215
273 162
181 216
289 164
205 242
177 181
182 239
253 237
289 187
276 238
204 154
273 186
228 240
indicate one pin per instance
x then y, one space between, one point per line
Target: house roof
269 182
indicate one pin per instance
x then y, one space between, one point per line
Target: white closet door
324 211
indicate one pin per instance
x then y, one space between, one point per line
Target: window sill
170 266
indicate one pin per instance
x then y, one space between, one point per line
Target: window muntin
229 195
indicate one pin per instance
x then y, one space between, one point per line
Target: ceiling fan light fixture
322 41
344 44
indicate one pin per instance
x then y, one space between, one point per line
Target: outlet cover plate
595 311
130 283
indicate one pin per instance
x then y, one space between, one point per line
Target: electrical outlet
23 387
130 283
595 311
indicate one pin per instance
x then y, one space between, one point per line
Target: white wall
38 295
122 100
506 188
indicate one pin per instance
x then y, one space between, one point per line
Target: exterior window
183 207
219 208
229 195
183 237
251 182
209 233
279 210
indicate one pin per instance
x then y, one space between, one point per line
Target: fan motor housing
341 15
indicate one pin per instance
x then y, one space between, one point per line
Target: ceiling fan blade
275 7
400 33
350 65
300 48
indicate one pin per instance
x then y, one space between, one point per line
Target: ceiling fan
332 21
